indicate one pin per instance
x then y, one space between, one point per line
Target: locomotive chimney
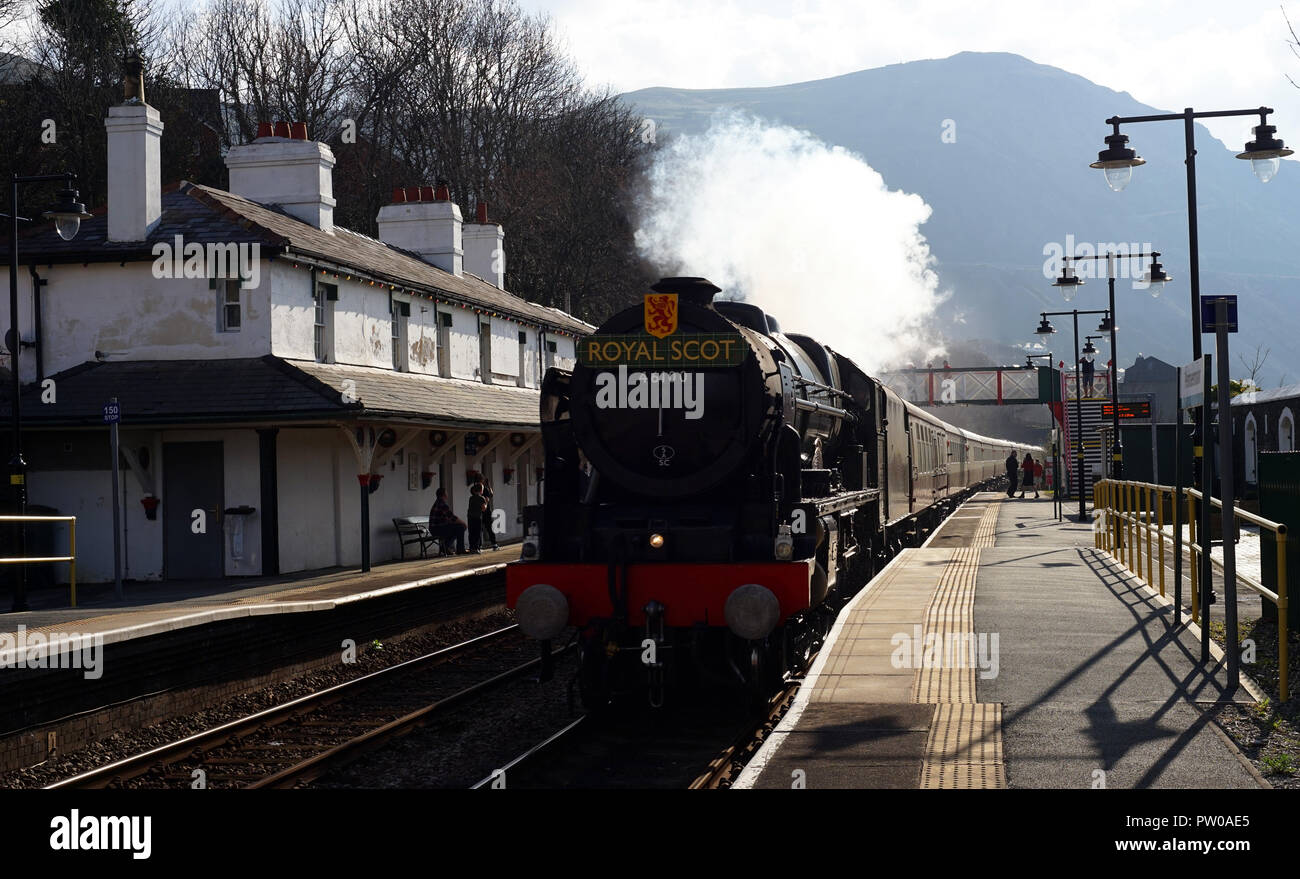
697 291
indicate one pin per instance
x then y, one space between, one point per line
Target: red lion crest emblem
661 314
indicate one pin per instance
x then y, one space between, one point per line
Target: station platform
1006 652
153 608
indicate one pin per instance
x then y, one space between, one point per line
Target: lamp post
1154 281
1118 161
67 214
1045 328
1056 474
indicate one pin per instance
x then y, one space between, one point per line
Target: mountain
1015 178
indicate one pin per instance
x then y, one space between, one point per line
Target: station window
400 311
444 344
522 381
229 312
485 351
323 321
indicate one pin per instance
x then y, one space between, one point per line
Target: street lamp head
1045 327
1069 282
1107 325
67 214
1117 160
1089 349
1154 279
1265 152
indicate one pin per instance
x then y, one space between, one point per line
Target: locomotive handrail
813 406
816 384
1123 511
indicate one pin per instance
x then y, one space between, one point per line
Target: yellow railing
1123 511
70 558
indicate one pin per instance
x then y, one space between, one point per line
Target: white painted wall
292 312
505 346
128 314
464 343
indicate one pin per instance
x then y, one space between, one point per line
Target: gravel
370 658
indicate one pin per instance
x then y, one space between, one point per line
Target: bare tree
1256 364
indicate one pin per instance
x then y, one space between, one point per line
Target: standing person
444 525
1013 466
1027 480
475 511
487 513
1038 477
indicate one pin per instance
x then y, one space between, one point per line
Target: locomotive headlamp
784 544
752 611
656 541
543 611
532 541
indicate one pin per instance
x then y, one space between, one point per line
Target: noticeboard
1191 383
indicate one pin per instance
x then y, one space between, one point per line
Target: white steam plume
807 232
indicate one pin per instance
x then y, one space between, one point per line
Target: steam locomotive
716 490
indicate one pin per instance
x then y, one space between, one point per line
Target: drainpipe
37 283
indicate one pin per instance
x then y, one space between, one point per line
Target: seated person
444 525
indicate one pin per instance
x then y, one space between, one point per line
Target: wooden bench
415 529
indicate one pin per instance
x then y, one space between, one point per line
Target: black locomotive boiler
716 489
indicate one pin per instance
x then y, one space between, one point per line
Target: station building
1262 421
271 368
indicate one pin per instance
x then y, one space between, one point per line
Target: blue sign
112 413
1209 313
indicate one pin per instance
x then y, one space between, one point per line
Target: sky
1209 54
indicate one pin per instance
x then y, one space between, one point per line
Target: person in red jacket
1027 479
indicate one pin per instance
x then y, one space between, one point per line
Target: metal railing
1123 512
70 558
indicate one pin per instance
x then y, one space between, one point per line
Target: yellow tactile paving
985 530
947 626
964 749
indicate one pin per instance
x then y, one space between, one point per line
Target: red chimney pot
426 194
264 129
282 129
299 131
412 193
399 195
443 192
482 212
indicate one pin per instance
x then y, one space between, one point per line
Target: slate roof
269 390
205 215
1285 392
449 401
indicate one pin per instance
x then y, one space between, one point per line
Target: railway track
293 743
668 749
